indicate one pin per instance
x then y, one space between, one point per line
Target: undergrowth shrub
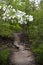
4 56
38 51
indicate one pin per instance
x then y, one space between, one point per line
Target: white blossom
30 18
10 6
7 11
4 8
20 13
20 22
21 16
14 10
10 17
0 7
25 22
7 15
4 18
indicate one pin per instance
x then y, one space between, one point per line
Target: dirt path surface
22 56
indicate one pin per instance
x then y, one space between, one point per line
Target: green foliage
4 56
34 29
36 35
5 29
38 53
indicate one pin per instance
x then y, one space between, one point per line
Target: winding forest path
22 56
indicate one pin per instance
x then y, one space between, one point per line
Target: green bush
38 53
6 29
4 56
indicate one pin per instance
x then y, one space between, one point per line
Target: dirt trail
22 57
